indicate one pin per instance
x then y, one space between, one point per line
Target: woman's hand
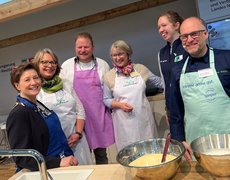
73 139
188 151
126 107
121 105
68 161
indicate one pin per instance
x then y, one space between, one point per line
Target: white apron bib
136 125
64 105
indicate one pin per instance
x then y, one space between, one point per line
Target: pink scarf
125 70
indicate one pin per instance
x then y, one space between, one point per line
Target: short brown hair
85 35
17 72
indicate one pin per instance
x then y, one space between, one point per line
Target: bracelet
80 134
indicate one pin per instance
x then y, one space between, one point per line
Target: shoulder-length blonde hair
39 55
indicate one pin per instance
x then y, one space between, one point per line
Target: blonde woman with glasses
67 105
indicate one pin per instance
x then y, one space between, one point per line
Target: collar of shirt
195 64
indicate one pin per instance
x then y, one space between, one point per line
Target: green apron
207 106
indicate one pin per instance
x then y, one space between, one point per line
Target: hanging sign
213 9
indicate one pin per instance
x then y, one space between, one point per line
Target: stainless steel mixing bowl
213 153
151 146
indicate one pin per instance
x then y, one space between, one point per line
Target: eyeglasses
122 54
46 63
194 35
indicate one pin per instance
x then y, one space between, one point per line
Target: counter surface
157 97
187 170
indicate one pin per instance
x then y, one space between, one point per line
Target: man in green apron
201 91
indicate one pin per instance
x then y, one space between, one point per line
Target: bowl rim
205 138
155 166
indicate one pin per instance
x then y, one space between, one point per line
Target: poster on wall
216 14
8 67
213 9
219 34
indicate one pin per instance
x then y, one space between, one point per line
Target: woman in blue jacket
173 53
31 125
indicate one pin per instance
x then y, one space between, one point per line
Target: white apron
63 103
139 124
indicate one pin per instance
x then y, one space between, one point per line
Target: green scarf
52 85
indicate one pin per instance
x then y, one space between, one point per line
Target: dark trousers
100 156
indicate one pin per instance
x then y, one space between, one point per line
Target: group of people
89 106
196 78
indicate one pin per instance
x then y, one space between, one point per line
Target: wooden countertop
6 171
187 170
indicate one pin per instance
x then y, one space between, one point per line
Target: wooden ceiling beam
17 8
87 20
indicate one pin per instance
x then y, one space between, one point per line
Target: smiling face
167 29
47 66
120 57
84 49
120 52
29 85
194 36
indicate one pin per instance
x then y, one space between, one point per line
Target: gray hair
122 45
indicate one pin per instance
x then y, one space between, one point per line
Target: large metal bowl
213 153
151 146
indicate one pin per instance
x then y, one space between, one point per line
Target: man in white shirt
84 73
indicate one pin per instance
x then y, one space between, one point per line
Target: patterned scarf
52 85
125 70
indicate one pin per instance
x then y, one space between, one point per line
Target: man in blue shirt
200 93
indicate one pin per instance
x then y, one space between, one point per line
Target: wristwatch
80 134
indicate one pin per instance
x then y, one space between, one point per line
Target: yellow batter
151 160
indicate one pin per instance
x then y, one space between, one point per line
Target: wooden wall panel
18 8
87 20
